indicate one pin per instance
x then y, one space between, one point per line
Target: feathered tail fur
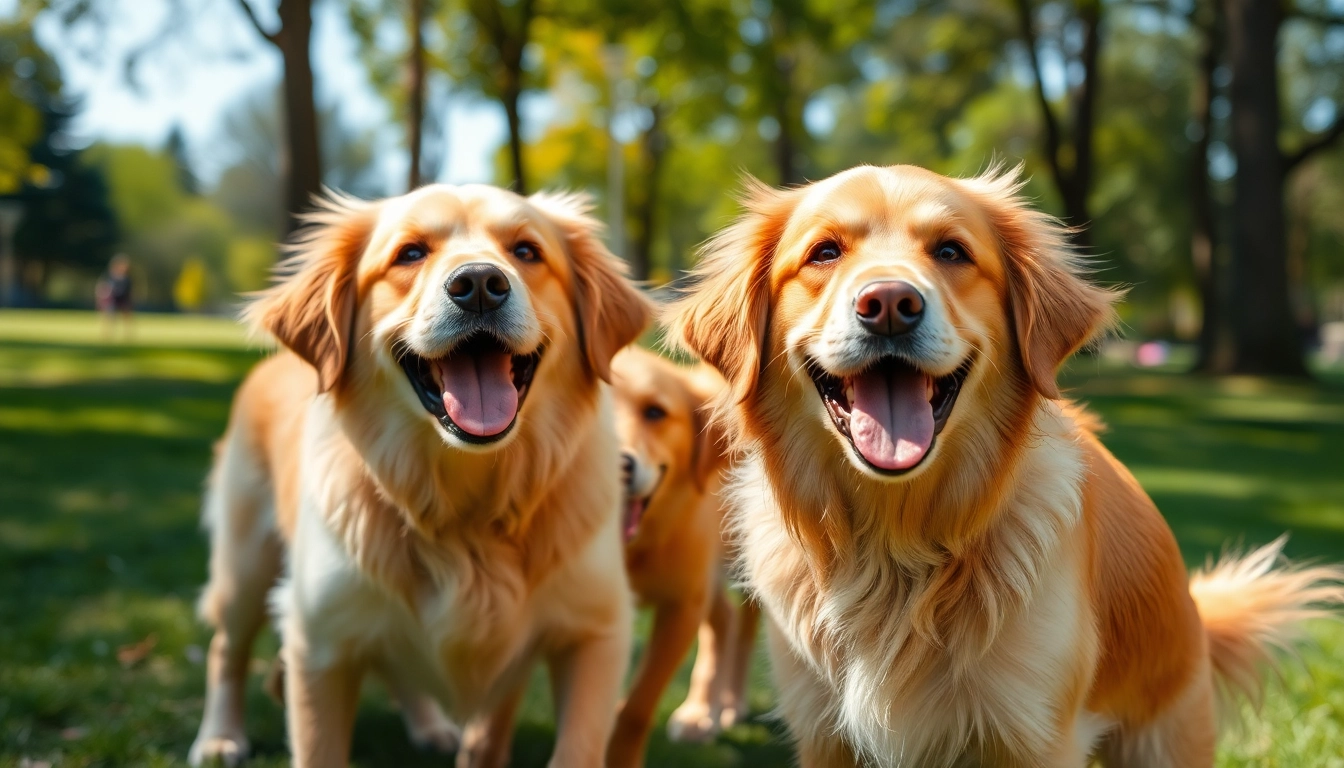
1250 608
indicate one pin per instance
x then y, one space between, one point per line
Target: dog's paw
429 728
228 751
443 738
480 751
732 715
692 723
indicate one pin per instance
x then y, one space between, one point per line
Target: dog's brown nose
889 307
478 287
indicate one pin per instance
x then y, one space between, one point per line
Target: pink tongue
634 513
478 392
891 420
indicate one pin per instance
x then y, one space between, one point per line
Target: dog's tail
1250 608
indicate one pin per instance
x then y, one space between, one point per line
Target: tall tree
1207 21
402 76
302 148
415 89
675 59
505 30
176 147
1265 335
1068 144
792 44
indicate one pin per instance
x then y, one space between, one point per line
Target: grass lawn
103 447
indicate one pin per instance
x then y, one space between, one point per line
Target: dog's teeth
849 393
928 387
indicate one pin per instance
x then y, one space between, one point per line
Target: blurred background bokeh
1196 145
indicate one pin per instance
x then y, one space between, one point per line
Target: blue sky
218 60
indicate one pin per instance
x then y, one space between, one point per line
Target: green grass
103 447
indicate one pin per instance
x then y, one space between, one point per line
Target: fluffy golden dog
956 570
672 459
435 461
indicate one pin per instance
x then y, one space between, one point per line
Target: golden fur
1014 599
674 459
444 567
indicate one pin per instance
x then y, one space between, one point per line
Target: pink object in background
1152 353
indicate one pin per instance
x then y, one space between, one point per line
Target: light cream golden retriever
434 460
956 570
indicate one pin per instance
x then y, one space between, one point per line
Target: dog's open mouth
635 503
891 412
476 390
633 515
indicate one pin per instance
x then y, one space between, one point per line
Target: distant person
113 295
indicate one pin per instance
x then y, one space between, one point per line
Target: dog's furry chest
461 617
933 661
899 693
456 639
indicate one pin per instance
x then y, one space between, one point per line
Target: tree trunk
510 99
1213 336
785 144
1075 193
1265 338
415 97
655 148
1070 162
303 161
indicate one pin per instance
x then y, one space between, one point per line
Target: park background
1196 144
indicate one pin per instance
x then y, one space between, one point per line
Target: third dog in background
672 462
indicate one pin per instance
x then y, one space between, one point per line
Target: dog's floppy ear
709 452
609 311
1055 309
311 307
724 317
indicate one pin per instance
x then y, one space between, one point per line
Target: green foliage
66 222
30 80
249 263
164 226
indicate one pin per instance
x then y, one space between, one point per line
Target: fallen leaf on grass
130 655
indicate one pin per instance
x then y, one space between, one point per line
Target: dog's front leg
674 627
488 739
586 678
320 708
697 719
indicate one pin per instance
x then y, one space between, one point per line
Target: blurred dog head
454 304
670 451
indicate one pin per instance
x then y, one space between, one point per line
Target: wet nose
478 287
627 467
889 307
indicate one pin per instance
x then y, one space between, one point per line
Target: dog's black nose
478 287
889 307
627 467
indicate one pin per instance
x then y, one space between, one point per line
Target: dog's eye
654 413
951 252
824 252
526 252
411 253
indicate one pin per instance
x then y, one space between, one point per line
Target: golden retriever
957 572
672 459
435 462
